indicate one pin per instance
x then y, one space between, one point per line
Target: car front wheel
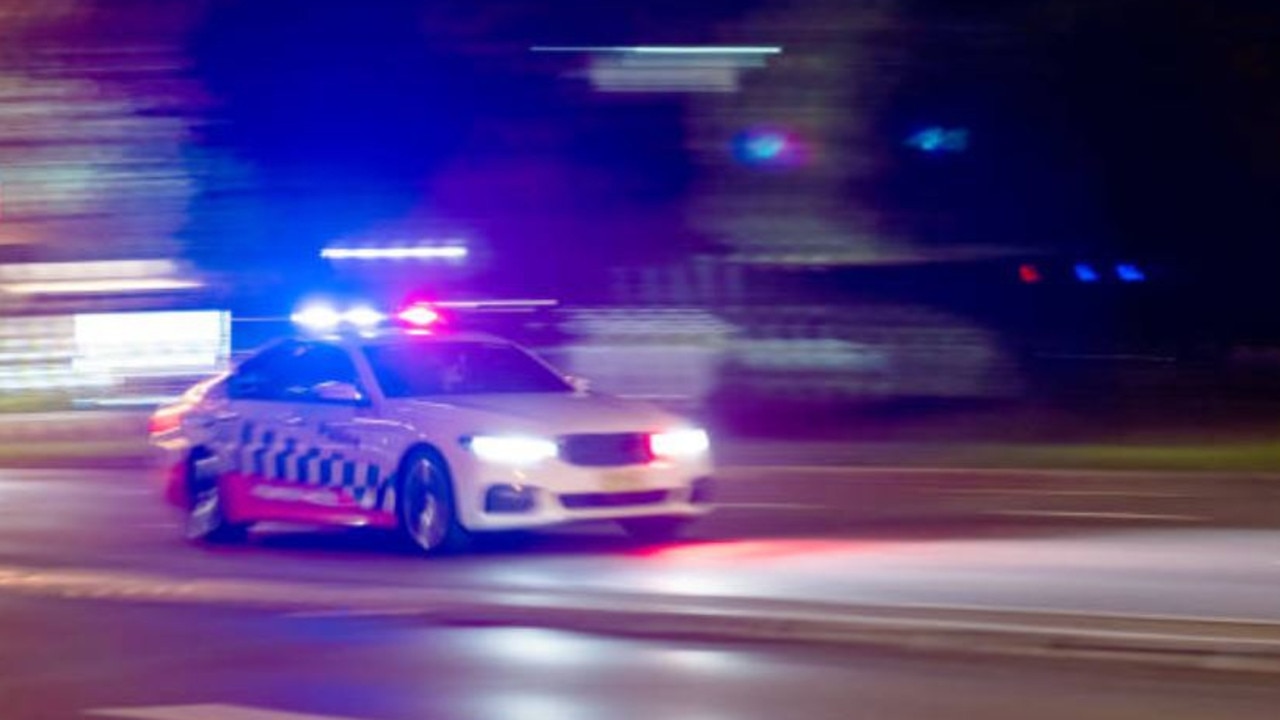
427 514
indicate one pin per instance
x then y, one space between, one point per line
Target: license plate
623 480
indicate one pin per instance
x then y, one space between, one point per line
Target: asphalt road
110 520
65 660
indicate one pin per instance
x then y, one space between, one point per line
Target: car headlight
679 443
509 450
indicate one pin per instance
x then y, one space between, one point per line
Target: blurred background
976 298
888 219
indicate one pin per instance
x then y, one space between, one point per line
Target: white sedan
435 435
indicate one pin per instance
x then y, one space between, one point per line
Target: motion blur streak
105 277
119 287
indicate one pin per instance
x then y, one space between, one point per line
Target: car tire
206 520
425 508
654 529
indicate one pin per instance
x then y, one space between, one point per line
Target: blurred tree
92 126
824 91
1127 127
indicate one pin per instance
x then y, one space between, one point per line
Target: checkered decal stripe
263 453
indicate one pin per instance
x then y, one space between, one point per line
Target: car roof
396 336
380 337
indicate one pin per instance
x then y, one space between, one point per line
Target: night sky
1139 128
347 114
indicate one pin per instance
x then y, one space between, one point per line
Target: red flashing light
1029 274
419 315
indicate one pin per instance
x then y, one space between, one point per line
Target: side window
317 367
263 376
293 372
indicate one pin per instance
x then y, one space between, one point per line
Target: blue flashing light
322 317
317 318
363 317
1086 273
1130 273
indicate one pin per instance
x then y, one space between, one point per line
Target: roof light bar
317 317
363 316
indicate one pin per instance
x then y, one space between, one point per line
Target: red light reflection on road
753 550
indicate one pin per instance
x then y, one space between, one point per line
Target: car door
340 464
265 425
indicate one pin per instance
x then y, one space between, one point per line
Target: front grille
611 450
583 501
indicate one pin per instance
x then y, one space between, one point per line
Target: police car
436 435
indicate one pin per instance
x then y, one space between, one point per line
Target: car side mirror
579 384
337 392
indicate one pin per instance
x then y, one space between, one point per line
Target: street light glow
665 49
420 252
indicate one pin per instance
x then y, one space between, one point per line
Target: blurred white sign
152 343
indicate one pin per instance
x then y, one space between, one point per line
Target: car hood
541 413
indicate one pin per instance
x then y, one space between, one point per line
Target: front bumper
496 498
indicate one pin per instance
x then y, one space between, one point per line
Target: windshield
421 369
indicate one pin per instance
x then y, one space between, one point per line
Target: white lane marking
861 470
204 712
341 601
729 470
1021 613
355 613
1270 625
1097 515
1064 493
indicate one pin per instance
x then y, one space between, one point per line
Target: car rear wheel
206 520
425 507
654 529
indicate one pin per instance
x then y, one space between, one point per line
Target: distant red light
419 315
1029 274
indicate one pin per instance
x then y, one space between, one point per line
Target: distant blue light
927 140
939 140
1130 273
1086 273
767 146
